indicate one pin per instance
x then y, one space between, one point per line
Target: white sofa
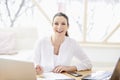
25 38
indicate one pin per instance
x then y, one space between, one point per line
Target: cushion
7 42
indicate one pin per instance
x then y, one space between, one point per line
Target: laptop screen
116 72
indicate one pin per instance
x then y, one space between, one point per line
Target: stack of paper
54 76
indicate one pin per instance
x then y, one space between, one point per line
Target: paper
54 76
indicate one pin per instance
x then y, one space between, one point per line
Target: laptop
105 75
16 70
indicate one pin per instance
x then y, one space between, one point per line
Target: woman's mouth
59 31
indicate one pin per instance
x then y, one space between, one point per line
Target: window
91 21
103 21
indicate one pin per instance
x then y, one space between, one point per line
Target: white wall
103 54
105 57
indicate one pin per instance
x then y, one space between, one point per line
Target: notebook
105 75
16 70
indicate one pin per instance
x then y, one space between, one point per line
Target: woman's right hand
39 70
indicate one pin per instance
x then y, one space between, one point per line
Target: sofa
18 42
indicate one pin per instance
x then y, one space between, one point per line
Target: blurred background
95 24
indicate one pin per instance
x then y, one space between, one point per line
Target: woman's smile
59 31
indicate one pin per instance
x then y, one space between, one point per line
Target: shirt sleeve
84 61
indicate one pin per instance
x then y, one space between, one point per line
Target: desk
84 73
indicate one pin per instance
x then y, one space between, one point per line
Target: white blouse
45 57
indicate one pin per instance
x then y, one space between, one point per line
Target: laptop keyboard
99 75
102 75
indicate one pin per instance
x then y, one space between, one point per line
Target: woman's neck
57 40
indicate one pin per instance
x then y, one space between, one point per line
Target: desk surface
84 73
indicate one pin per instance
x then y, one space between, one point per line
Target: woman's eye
56 23
63 24
59 23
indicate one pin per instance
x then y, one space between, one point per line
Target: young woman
55 53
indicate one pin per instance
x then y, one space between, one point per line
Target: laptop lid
16 70
116 72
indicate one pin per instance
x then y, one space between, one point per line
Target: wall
105 57
26 37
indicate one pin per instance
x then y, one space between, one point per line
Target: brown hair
65 16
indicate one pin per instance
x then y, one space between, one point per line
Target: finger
55 70
39 69
58 69
61 70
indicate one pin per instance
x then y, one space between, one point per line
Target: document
54 76
99 75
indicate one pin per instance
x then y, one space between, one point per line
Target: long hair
65 16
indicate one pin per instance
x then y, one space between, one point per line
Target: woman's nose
59 26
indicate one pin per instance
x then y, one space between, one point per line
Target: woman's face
60 25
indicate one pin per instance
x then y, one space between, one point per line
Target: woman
55 53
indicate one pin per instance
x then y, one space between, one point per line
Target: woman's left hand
60 68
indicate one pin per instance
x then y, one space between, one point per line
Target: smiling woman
59 49
60 26
61 23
